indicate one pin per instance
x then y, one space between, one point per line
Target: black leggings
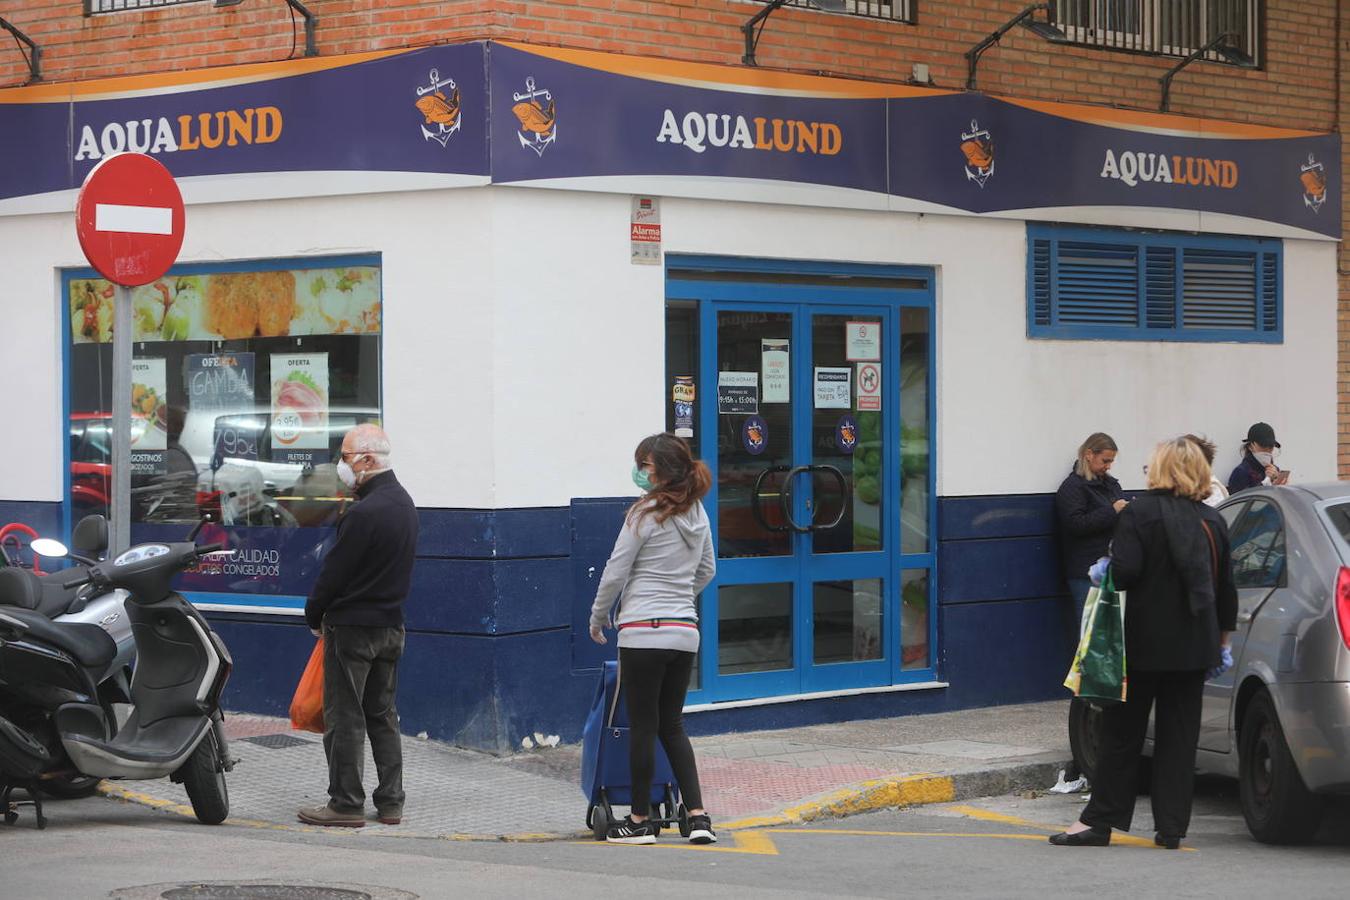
654 684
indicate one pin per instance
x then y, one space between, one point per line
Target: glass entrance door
807 481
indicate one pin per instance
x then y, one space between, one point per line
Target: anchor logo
1314 178
536 120
978 146
438 109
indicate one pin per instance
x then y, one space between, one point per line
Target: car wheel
1278 808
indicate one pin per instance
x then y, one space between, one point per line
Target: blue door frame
746 289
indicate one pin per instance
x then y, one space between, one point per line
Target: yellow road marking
754 843
885 793
986 815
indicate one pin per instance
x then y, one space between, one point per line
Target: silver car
1279 720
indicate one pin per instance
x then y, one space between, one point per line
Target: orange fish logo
538 121
438 109
1314 178
978 147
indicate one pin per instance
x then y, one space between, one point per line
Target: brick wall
1295 88
1343 329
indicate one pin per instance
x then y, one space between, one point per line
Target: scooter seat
91 646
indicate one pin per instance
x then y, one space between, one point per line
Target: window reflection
847 621
754 628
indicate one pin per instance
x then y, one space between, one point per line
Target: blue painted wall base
497 619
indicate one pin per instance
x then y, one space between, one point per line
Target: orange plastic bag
307 705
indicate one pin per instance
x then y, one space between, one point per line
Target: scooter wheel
203 776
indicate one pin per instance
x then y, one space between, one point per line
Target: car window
1230 514
1339 517
1258 546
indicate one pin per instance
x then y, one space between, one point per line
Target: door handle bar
786 499
757 511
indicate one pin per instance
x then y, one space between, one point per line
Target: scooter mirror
49 547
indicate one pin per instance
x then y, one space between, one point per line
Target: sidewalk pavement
749 779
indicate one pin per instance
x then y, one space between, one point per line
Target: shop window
1113 284
245 378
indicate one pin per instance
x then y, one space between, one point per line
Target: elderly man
357 601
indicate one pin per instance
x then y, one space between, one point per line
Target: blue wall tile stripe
994 517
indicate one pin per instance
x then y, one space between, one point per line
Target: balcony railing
892 10
1163 27
95 7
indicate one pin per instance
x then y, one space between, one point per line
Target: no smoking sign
869 385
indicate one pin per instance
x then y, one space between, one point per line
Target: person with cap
1258 460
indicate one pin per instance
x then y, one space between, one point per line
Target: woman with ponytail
661 561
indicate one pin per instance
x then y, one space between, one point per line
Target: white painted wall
524 357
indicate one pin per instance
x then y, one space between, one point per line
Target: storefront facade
885 316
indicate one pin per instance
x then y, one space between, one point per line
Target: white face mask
1263 458
346 475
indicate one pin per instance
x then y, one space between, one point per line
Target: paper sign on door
737 393
833 388
777 367
869 385
862 341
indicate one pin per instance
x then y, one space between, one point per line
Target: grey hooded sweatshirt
659 568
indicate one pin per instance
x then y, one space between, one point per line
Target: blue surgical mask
640 479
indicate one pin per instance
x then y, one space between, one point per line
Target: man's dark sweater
368 571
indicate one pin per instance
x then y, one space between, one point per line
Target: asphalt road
994 847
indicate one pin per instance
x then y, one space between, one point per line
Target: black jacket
367 573
1161 632
1086 514
1248 474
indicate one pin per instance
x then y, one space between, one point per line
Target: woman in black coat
1086 506
1170 555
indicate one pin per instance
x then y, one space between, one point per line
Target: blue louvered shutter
1270 292
1041 303
1160 286
1115 284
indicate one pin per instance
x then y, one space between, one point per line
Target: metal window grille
1100 283
1164 27
894 10
96 7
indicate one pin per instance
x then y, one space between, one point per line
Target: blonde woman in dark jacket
1170 554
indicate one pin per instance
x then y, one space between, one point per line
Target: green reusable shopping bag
1098 669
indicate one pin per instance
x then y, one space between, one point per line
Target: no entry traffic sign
129 218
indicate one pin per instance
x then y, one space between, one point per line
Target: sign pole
129 218
119 537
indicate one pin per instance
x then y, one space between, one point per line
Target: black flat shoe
1090 838
1167 841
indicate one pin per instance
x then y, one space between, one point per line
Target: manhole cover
259 890
277 741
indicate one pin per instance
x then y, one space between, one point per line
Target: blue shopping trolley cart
605 778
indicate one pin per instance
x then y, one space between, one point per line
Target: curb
864 797
906 791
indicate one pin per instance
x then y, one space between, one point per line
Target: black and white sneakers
646 831
701 830
630 832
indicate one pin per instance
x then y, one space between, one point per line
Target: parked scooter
89 605
51 716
